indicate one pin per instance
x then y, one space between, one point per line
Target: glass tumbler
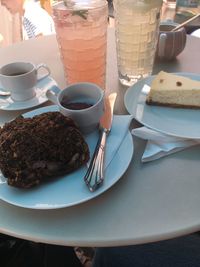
81 31
137 28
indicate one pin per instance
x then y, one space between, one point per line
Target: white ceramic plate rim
173 121
113 173
40 98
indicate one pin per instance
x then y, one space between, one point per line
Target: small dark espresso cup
170 44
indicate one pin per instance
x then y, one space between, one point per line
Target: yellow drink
137 25
82 36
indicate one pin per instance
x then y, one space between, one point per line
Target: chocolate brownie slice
32 149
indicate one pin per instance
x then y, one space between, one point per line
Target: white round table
152 201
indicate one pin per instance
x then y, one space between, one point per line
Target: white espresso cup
20 79
83 102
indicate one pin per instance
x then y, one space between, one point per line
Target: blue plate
173 121
70 189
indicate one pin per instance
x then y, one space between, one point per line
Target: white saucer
7 103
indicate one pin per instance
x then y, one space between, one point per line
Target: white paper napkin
160 145
119 130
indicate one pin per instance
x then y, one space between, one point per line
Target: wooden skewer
184 23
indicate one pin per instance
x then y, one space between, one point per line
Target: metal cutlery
95 173
4 93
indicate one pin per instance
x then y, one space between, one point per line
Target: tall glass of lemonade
81 30
137 26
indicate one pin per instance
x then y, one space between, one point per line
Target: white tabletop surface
153 201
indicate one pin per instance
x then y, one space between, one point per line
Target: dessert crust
153 103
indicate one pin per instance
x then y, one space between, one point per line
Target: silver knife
95 173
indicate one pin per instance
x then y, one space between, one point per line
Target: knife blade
95 174
106 119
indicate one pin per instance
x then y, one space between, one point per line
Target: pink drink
82 34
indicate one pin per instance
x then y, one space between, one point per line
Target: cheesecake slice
172 90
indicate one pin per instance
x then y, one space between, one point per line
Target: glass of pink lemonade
81 30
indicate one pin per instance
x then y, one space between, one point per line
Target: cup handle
162 40
52 94
42 65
